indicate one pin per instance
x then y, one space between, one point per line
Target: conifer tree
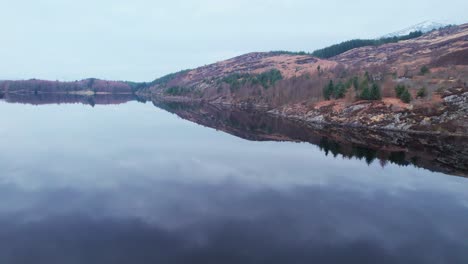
328 90
375 92
365 94
406 96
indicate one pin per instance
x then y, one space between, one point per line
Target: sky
140 40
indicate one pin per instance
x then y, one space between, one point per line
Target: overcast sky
142 39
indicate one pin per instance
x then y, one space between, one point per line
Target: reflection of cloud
208 223
163 189
79 150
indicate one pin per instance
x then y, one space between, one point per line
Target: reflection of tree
90 101
398 158
394 147
328 145
364 153
383 163
140 99
334 147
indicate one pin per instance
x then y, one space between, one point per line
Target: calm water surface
133 183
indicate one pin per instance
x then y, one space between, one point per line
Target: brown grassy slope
299 73
444 51
440 48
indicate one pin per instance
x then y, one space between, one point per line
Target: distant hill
84 87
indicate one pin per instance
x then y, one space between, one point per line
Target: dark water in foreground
132 183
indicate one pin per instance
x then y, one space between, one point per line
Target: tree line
342 47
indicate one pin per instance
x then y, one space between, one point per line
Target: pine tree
399 89
339 90
328 90
365 94
375 92
406 96
422 92
356 83
366 74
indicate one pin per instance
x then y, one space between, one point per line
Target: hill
432 71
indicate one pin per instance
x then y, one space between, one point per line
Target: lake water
133 183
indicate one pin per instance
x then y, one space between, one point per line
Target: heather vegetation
342 47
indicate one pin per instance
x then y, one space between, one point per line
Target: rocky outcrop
449 117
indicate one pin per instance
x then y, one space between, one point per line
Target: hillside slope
432 69
231 81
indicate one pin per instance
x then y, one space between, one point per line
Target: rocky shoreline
449 118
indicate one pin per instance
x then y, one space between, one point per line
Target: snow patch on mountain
424 27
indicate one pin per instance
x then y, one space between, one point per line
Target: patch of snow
424 27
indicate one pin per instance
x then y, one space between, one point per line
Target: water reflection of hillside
445 154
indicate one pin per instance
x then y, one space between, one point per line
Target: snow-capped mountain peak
424 27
